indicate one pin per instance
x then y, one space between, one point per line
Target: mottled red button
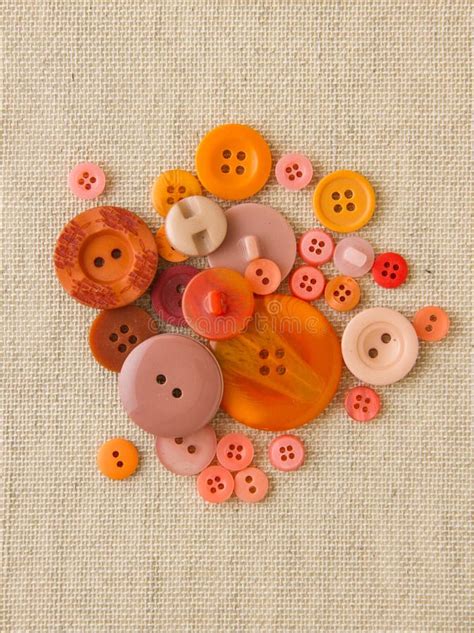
234 451
390 270
251 485
362 404
187 455
286 452
167 293
431 323
316 247
307 283
263 276
215 484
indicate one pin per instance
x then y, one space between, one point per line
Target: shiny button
233 161
215 484
353 256
307 283
251 485
167 293
342 293
263 276
431 323
235 451
165 250
294 171
390 270
106 257
316 247
286 452
171 187
86 181
379 346
117 458
170 385
344 201
362 404
187 455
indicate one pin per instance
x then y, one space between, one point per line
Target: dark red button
167 293
390 270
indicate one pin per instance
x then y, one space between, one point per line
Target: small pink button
86 181
187 455
167 293
294 171
234 451
251 485
362 403
263 275
316 247
215 484
307 283
353 256
286 452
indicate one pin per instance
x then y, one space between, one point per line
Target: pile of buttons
271 361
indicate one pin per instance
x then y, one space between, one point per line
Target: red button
251 485
167 293
215 484
234 451
286 452
390 270
307 283
362 404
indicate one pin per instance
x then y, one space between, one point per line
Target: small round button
342 293
165 250
234 451
344 201
362 404
251 485
117 458
233 161
316 247
215 484
286 452
390 270
294 171
263 276
170 385
167 293
218 303
353 256
171 187
187 455
86 181
114 333
307 283
379 346
431 323
106 257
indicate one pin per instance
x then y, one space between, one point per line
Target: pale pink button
86 181
187 455
379 346
251 485
215 484
362 403
354 256
234 451
316 247
294 171
263 275
286 452
307 283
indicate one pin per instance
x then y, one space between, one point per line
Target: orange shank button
233 161
171 187
117 458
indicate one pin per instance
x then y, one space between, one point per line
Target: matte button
294 171
390 270
117 458
86 181
106 257
171 187
316 247
167 293
353 256
235 451
187 455
251 485
215 484
362 404
286 452
114 333
307 283
263 276
379 346
342 293
170 385
233 161
431 323
165 250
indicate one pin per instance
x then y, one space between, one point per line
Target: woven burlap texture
372 534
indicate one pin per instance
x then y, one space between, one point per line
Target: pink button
263 275
215 484
187 455
307 283
286 452
316 247
353 256
294 171
170 385
234 451
167 293
379 346
86 181
251 485
362 404
255 231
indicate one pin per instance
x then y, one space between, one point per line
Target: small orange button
431 323
165 250
171 187
117 458
342 293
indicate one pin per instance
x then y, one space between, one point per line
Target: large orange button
171 187
233 161
165 250
117 458
284 369
344 201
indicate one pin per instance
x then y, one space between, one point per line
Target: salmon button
286 452
215 484
86 181
187 455
251 485
431 323
307 283
342 293
235 451
362 403
263 276
165 250
167 293
316 247
171 187
390 270
117 458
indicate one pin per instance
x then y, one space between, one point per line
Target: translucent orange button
165 250
117 458
342 293
171 187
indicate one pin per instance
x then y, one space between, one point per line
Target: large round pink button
307 283
215 484
353 256
251 485
187 455
167 293
234 451
294 171
86 181
171 385
316 247
362 403
286 452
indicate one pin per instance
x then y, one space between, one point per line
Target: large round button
344 201
379 346
171 385
167 293
165 250
353 256
284 369
106 257
255 231
233 161
431 323
390 270
187 455
171 187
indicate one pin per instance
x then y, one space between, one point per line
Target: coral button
233 161
263 276
167 293
251 485
286 452
353 256
215 484
307 283
235 451
86 181
362 404
342 293
171 187
294 171
431 323
187 455
390 270
344 201
117 458
165 250
316 247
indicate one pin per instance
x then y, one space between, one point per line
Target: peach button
86 181
215 484
251 485
362 403
431 323
342 293
307 283
234 451
286 452
316 247
117 458
165 250
263 275
171 187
